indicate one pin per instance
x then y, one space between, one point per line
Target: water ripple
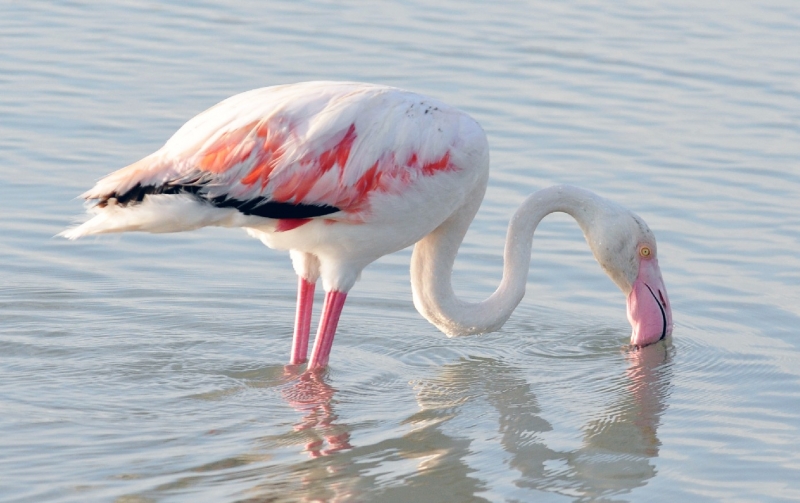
144 368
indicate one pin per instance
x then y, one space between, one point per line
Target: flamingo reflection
434 459
618 444
310 395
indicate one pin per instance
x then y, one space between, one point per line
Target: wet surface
152 367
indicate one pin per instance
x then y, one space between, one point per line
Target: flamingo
340 174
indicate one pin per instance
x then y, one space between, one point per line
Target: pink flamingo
341 174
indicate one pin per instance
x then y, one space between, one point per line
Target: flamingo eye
644 251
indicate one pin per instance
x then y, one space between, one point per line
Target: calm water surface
143 368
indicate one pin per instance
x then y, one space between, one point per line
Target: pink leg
334 302
302 320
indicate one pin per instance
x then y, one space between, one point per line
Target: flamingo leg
302 320
334 302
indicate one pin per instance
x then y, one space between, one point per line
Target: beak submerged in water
649 310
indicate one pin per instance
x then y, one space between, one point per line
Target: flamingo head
625 247
649 310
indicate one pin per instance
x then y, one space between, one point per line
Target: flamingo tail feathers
150 196
157 214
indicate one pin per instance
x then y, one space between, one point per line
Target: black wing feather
260 206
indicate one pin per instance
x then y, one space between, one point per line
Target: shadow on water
432 460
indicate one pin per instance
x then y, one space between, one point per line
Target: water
151 368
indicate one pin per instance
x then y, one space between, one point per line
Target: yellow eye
644 251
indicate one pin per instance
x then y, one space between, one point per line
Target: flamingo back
303 151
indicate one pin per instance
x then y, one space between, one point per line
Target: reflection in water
311 395
433 460
617 446
437 471
620 444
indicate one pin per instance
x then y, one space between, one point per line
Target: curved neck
434 255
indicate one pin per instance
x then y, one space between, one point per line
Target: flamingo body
346 172
339 174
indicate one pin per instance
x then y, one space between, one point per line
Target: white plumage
341 174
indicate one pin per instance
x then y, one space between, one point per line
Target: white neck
434 255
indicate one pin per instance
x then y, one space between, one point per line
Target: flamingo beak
649 310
